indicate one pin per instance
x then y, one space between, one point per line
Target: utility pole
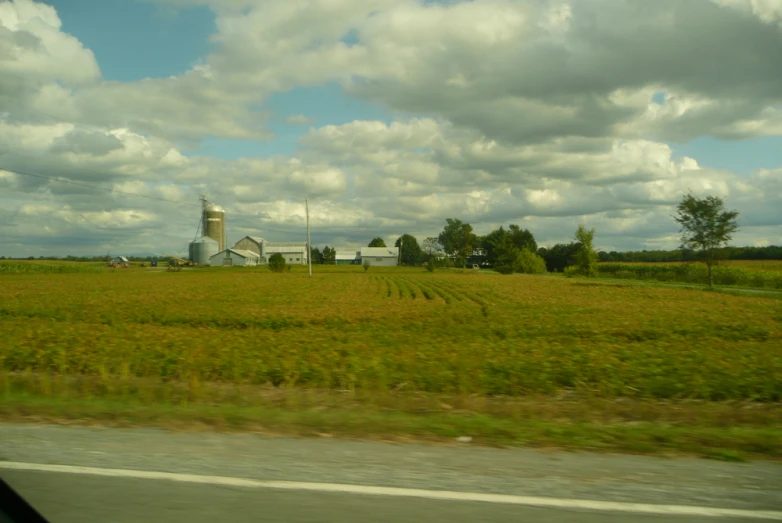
309 247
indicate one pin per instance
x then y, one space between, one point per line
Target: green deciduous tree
457 238
410 251
522 238
585 258
705 227
501 238
377 242
276 262
510 259
559 256
504 255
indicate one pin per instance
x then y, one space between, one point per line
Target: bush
430 266
277 262
528 262
366 266
519 260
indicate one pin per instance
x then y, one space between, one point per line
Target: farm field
760 274
482 341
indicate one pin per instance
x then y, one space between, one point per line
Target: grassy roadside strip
730 431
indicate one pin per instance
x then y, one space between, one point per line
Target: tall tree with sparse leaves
432 248
585 258
377 242
705 227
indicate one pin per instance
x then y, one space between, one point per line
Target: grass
731 431
400 352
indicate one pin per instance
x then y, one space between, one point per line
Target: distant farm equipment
175 263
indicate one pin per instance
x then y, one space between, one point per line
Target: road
131 475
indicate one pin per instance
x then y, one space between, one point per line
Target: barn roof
239 252
379 252
347 255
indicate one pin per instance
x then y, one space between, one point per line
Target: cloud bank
541 112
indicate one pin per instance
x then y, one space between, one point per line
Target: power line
71 182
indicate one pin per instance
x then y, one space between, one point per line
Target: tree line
705 227
771 252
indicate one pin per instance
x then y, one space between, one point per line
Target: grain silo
202 249
214 224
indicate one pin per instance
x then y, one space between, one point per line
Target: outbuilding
120 261
347 258
234 257
382 256
295 253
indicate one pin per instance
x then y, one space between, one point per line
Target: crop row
47 268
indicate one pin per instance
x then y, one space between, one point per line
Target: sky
388 116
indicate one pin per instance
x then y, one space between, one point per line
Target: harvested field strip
434 292
458 296
409 291
388 287
415 288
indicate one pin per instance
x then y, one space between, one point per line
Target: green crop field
441 332
467 335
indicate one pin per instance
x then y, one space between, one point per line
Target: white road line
565 503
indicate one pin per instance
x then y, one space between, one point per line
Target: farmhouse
382 256
237 257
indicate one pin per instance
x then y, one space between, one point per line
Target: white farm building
234 257
295 253
381 256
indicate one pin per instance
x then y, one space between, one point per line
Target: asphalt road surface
132 475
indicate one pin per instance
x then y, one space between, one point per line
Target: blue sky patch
132 40
324 105
742 157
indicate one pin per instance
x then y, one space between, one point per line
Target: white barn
295 253
234 257
347 258
381 256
